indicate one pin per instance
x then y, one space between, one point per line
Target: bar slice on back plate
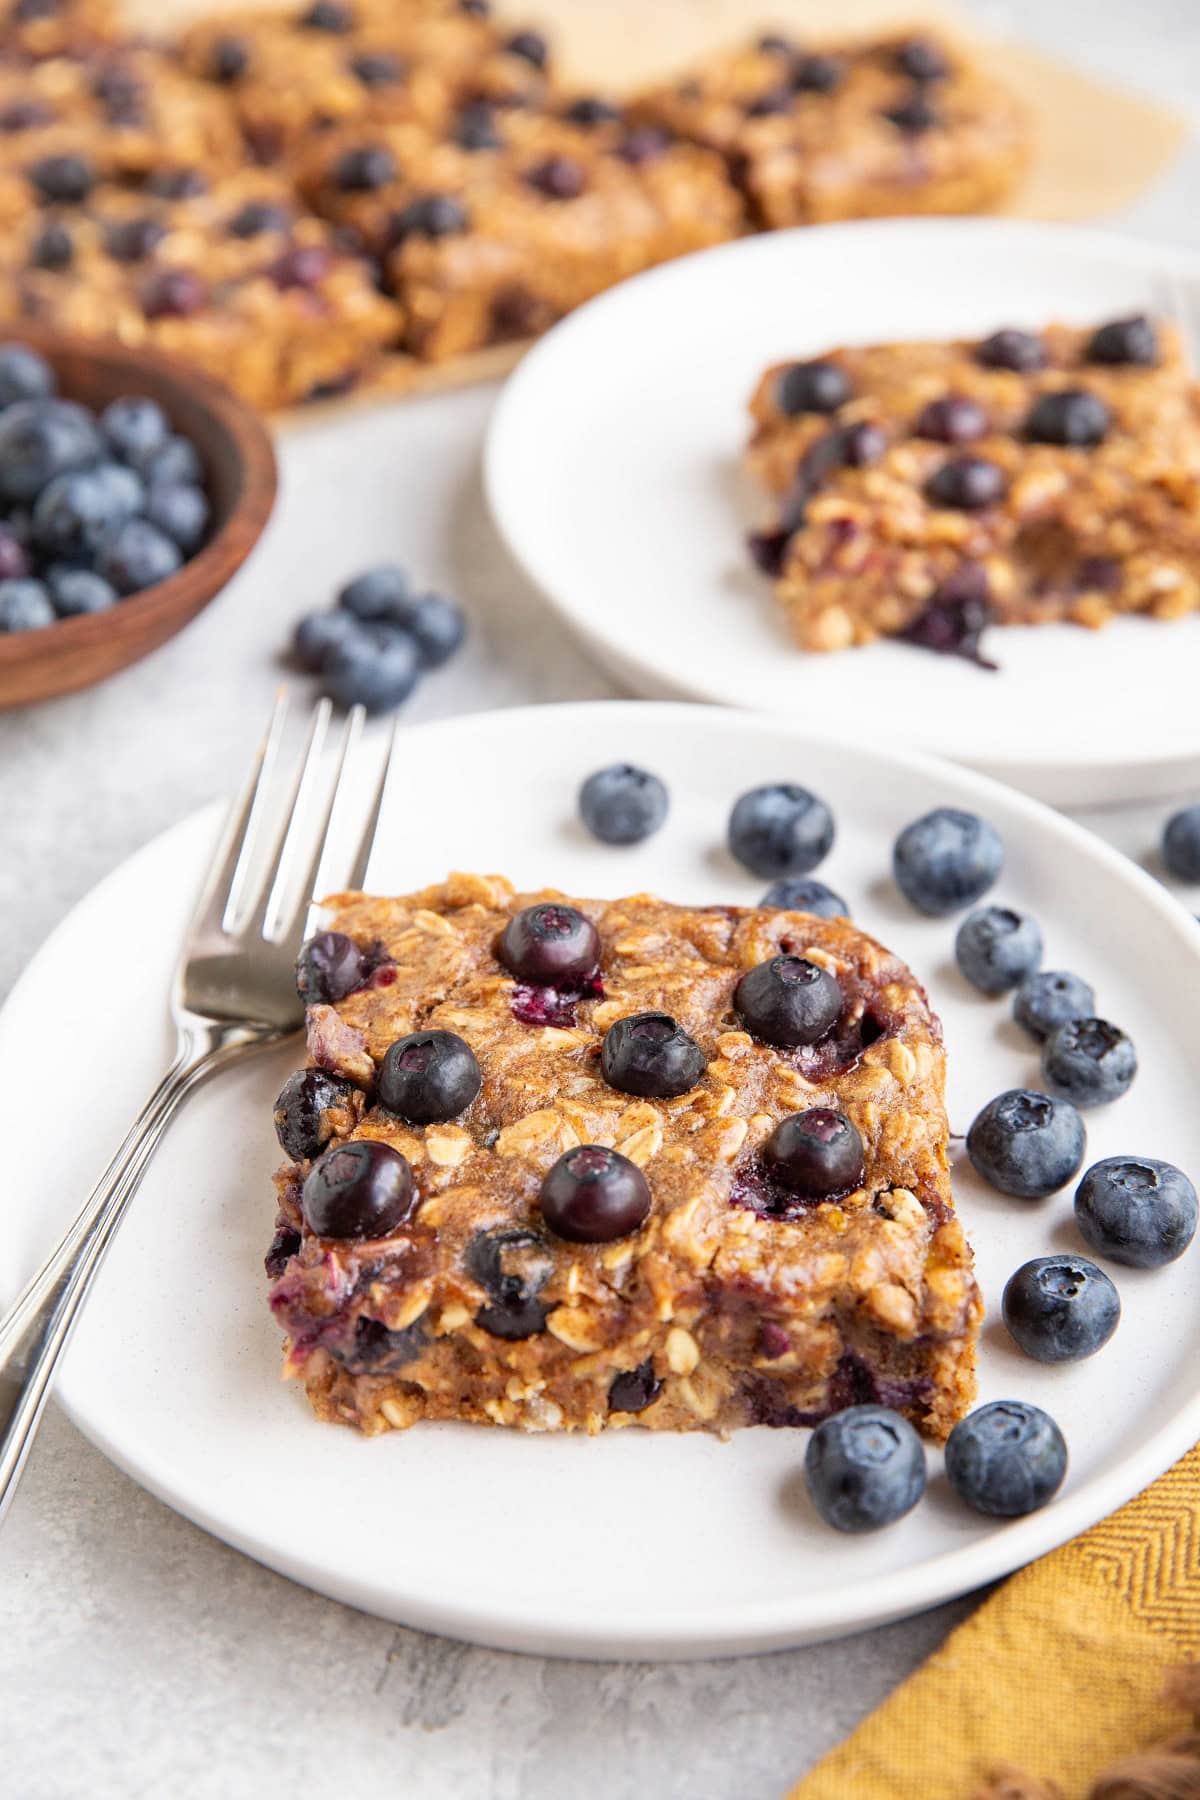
574 1164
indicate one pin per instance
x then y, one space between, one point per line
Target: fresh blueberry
175 460
258 217
780 829
363 1189
1060 1308
430 216
40 439
1020 351
650 1055
954 419
63 179
1136 1210
319 634
788 1001
380 596
329 967
633 1390
968 483
429 1077
865 1468
74 514
173 294
1089 1062
124 487
946 859
182 511
550 944
623 805
135 426
376 668
1006 1459
1027 1144
53 247
1047 1000
922 60
593 1195
24 606
364 169
1181 844
511 1266
818 1153
437 626
137 555
301 1122
24 375
805 894
996 948
812 387
1068 416
76 592
1132 340
530 46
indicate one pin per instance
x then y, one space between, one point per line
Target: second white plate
613 472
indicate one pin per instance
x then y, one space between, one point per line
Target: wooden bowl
240 476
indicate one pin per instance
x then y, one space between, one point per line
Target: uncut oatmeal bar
1020 478
728 1298
897 125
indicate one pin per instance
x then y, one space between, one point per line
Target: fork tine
297 926
223 885
266 899
366 843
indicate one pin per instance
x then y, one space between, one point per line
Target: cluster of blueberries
93 507
866 1466
371 648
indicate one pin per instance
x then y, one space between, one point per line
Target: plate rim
762 1625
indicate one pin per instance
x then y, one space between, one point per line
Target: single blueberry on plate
40 439
181 511
805 893
377 668
780 829
363 1189
818 1153
379 596
1181 844
623 804
24 375
24 606
1136 1210
550 944
76 592
812 387
329 966
1048 999
319 634
511 1266
788 1001
1060 1308
1026 1143
137 555
1006 1459
437 627
997 947
649 1054
1089 1062
865 1468
135 426
946 859
305 1099
429 1077
593 1195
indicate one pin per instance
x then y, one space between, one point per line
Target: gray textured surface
139 1657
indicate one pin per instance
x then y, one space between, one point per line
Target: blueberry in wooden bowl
132 487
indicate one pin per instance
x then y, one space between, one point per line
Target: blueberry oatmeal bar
925 489
237 278
899 125
495 232
566 1165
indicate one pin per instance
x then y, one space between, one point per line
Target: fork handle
36 1328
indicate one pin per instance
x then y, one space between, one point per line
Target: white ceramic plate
613 471
634 1544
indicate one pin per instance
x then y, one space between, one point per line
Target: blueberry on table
377 669
1070 416
181 511
24 375
137 555
437 627
1048 999
946 859
329 966
623 804
429 1077
135 426
1006 1459
76 592
381 596
1027 1144
363 1189
1131 340
304 1101
594 1195
40 439
550 944
865 1468
780 829
1136 1210
1181 844
812 387
319 634
818 1154
1060 1308
805 894
512 1267
997 947
651 1055
1089 1062
25 605
788 1001
1019 351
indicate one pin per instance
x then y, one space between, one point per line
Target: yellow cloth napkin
1060 1673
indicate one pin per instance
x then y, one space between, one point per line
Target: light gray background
139 1657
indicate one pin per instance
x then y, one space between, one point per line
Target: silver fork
234 992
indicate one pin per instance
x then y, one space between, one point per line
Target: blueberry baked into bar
565 1165
924 489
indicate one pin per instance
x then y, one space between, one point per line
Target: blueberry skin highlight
1006 1459
997 947
945 860
1061 1308
865 1468
1046 1000
780 829
1027 1144
1089 1062
1136 1210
